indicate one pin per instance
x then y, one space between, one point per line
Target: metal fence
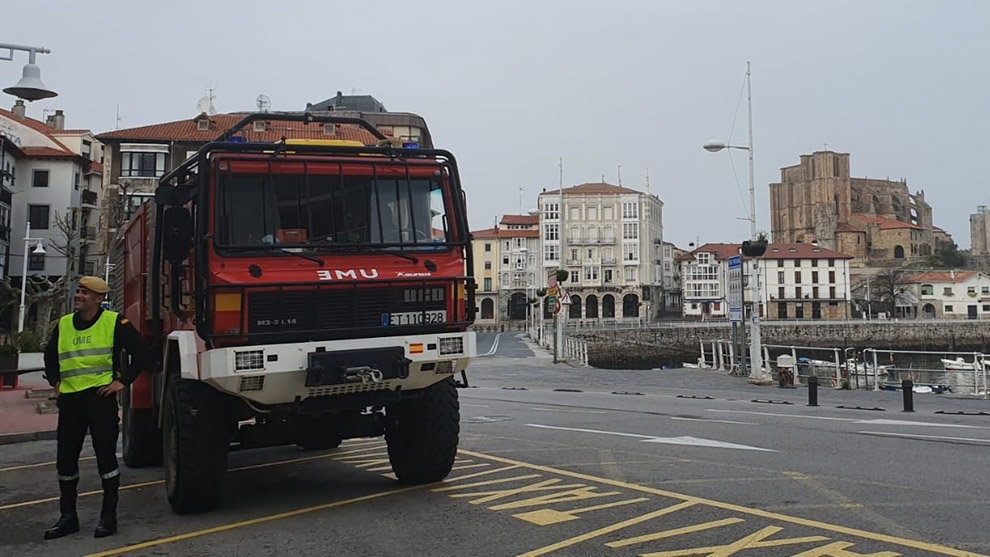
957 372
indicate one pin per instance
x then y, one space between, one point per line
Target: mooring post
908 387
813 390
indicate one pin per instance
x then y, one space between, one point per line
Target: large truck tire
141 437
196 433
422 434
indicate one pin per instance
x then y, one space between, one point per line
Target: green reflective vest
85 358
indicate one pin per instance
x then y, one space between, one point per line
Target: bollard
813 391
908 387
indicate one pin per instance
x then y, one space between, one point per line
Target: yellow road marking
675 532
40 464
752 541
838 549
489 482
546 517
608 529
83 494
253 521
925 546
579 494
359 451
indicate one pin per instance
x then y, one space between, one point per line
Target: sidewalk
19 417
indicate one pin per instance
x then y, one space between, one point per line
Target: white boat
857 366
960 364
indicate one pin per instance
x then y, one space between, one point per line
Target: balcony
88 233
574 262
608 261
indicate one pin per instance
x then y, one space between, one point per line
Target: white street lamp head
30 87
39 249
713 146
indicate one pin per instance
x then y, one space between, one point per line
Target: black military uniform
87 410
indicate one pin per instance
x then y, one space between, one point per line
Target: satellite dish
264 103
205 105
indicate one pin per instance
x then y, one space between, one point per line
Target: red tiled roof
939 276
95 167
36 125
846 227
885 223
721 251
801 251
489 233
188 130
48 152
594 188
520 219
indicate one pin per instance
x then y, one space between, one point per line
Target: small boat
959 364
857 366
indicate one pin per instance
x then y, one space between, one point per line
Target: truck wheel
421 434
142 439
196 435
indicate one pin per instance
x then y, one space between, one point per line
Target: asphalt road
576 461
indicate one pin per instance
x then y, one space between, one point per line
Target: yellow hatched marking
380 469
362 442
359 456
469 466
40 464
279 463
839 549
488 482
83 494
752 541
489 496
580 494
357 451
369 463
675 532
904 542
608 529
546 517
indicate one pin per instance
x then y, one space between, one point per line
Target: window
630 252
630 210
797 292
592 213
551 231
947 291
39 215
797 277
780 292
141 164
574 277
831 263
607 275
630 231
971 291
814 277
591 273
39 178
551 211
575 213
799 311
591 254
780 277
797 262
36 262
831 292
551 253
927 290
607 213
488 265
782 310
814 262
986 307
75 181
831 277
505 260
488 246
780 262
948 309
630 273
488 284
814 292
608 235
985 290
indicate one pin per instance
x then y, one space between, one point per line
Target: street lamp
30 87
39 249
714 146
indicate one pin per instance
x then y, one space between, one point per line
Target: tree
881 291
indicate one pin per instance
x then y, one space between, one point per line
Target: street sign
735 294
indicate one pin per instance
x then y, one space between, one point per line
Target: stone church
878 222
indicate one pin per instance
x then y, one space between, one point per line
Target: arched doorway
575 311
630 305
928 311
898 252
591 307
517 306
608 306
488 308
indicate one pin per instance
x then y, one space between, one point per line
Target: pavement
20 419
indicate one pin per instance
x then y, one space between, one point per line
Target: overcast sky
510 87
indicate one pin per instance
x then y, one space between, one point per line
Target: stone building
979 234
876 221
507 268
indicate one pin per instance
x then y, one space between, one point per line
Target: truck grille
327 309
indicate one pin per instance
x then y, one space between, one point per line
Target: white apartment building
947 295
671 277
609 239
507 268
798 281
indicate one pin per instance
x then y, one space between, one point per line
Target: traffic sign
735 294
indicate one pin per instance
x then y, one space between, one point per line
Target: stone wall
650 348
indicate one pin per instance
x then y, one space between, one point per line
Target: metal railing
956 371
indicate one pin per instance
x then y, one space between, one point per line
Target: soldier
83 361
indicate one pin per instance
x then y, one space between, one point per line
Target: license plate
415 317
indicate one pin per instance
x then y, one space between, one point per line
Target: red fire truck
297 292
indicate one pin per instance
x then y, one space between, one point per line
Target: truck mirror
177 239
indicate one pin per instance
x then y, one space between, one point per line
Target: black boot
108 514
68 522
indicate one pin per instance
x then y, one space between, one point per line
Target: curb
11 438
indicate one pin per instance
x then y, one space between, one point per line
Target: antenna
264 103
119 118
647 181
619 175
206 104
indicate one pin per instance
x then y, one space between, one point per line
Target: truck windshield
322 210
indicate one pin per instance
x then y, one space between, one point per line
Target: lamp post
756 351
40 249
30 87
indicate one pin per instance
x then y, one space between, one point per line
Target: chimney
952 275
19 108
56 121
